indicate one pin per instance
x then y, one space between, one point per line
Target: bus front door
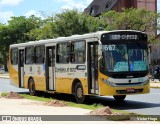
93 68
50 68
21 68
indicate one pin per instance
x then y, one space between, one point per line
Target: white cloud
5 16
33 12
10 2
74 4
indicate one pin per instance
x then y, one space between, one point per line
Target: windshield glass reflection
123 57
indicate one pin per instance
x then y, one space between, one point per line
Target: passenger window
63 52
78 52
14 56
39 54
29 55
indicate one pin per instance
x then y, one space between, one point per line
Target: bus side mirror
99 50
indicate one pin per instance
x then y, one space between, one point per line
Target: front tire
119 98
79 95
31 85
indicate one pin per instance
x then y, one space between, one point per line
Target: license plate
130 90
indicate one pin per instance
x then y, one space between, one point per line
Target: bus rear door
50 68
93 67
21 67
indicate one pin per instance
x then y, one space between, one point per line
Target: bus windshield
125 57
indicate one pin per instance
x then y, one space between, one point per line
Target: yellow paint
105 89
64 85
40 82
13 73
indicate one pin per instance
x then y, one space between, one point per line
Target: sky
9 8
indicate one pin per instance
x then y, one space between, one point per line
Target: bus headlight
109 82
145 82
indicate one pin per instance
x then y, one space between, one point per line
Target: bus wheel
119 98
79 95
32 90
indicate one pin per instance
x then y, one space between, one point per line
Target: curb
154 85
4 77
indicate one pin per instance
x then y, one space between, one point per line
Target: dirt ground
13 95
55 103
103 111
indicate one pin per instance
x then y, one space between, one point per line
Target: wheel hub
79 93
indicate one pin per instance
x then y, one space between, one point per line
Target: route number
110 47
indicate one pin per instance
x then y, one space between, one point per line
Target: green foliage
20 26
45 32
15 32
131 19
71 22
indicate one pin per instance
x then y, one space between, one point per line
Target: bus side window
78 50
14 56
63 50
29 55
39 54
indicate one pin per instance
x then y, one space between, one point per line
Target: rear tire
119 98
31 86
79 95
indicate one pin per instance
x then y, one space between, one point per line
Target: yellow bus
104 63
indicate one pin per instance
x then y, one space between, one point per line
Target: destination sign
123 36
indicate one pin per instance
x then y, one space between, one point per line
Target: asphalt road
147 104
5 86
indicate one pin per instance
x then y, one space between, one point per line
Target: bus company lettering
72 69
63 70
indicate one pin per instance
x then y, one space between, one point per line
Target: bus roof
69 38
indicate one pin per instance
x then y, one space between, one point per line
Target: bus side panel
64 85
39 77
36 72
65 76
13 71
105 89
62 81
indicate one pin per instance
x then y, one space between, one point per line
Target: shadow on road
125 105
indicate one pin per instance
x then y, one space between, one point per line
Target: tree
45 32
5 42
71 22
131 19
15 32
20 26
67 23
